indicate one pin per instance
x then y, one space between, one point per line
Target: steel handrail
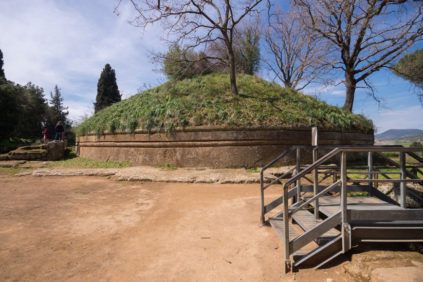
338 150
317 196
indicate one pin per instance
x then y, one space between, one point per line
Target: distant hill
393 134
412 138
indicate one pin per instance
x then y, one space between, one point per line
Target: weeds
166 167
252 170
87 163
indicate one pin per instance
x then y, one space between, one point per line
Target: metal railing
339 218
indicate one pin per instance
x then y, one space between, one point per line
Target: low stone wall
208 147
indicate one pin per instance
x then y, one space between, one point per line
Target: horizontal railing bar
381 149
386 180
373 172
312 166
289 150
318 195
278 201
334 152
407 173
273 204
278 178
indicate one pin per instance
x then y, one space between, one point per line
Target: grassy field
207 101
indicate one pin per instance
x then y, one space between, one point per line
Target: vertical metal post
370 167
344 186
298 168
262 198
344 224
315 185
286 230
403 188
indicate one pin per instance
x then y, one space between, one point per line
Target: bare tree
297 56
198 22
367 34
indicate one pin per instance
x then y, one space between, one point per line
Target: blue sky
68 43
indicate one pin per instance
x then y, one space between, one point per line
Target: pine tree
59 112
2 76
107 89
410 67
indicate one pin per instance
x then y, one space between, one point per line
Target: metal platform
321 221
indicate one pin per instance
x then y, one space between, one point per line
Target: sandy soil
95 229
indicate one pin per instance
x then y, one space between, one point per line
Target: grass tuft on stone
207 101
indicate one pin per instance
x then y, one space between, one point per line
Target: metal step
321 255
388 233
294 232
306 220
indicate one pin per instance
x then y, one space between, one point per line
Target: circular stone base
209 147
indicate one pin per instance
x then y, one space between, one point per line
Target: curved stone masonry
209 147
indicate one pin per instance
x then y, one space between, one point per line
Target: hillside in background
403 134
207 101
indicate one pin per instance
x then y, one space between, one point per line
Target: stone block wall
209 147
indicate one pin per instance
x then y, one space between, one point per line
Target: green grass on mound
207 101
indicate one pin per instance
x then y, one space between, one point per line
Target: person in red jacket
45 131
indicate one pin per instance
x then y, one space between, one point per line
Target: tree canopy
199 22
367 35
107 89
2 76
24 110
410 67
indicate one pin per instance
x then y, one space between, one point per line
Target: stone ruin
52 151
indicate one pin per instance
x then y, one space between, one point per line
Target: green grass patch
357 194
87 163
207 101
11 170
252 170
166 167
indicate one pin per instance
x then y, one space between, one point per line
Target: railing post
370 167
298 169
345 226
286 230
403 188
262 197
315 184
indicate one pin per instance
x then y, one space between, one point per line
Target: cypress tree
1 66
107 89
58 111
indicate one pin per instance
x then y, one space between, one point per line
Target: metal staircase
317 219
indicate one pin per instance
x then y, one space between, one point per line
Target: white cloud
334 89
68 43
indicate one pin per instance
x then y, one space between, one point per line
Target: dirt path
92 228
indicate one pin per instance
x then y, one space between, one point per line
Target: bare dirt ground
97 229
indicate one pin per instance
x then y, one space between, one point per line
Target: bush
179 64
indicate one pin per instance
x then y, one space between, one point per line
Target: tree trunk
232 72
350 85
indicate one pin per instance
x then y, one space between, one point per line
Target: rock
11 163
4 157
34 152
55 150
407 273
